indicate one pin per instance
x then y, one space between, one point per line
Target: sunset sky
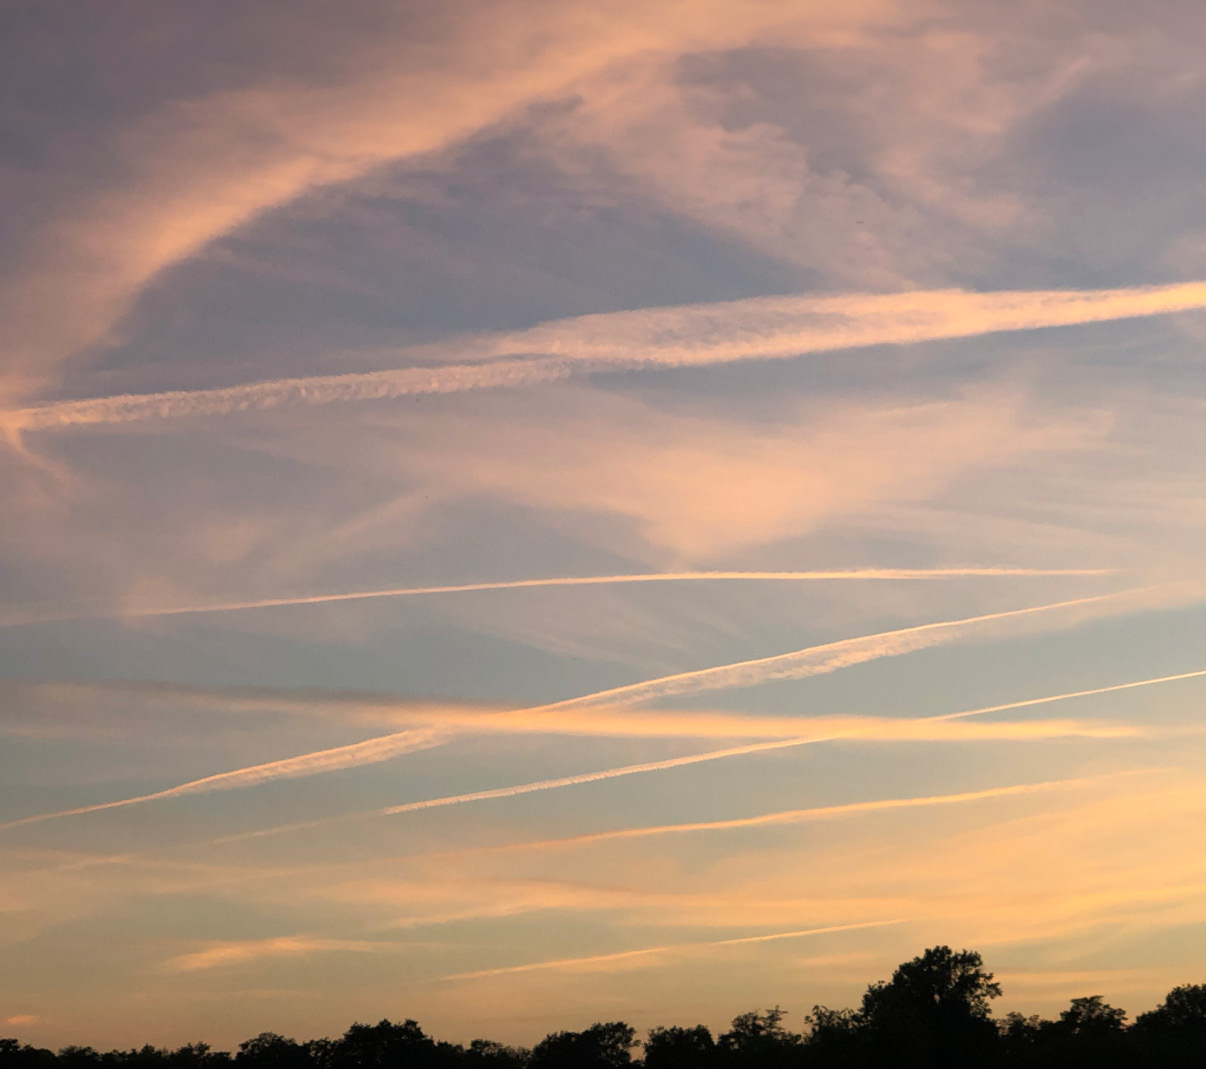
527 512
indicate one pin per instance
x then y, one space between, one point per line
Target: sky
521 513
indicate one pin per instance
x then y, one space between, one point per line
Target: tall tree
934 1012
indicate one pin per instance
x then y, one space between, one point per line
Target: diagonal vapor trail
16 616
677 762
793 816
810 661
813 660
761 328
355 755
562 963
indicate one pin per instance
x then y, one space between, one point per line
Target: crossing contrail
798 664
864 731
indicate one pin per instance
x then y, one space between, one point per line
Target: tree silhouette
680 1048
933 1013
385 1045
1092 1016
601 1046
487 1054
759 1039
1173 1035
269 1050
835 1037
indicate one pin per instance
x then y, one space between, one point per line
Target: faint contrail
791 816
811 661
760 328
16 616
591 777
339 757
1060 730
562 963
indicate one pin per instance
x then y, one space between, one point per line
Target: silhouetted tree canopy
934 1013
680 1048
757 1040
601 1046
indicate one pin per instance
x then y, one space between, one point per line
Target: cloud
225 955
698 483
398 84
671 486
688 724
761 328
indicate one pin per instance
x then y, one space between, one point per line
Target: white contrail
16 616
339 757
851 732
591 777
793 816
813 660
564 963
1060 729
760 328
810 661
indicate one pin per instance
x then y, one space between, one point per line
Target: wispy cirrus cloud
210 159
225 955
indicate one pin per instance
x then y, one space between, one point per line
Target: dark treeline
933 1013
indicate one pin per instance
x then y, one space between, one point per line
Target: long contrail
564 963
16 616
338 757
760 328
851 732
1059 730
791 816
810 661
813 660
